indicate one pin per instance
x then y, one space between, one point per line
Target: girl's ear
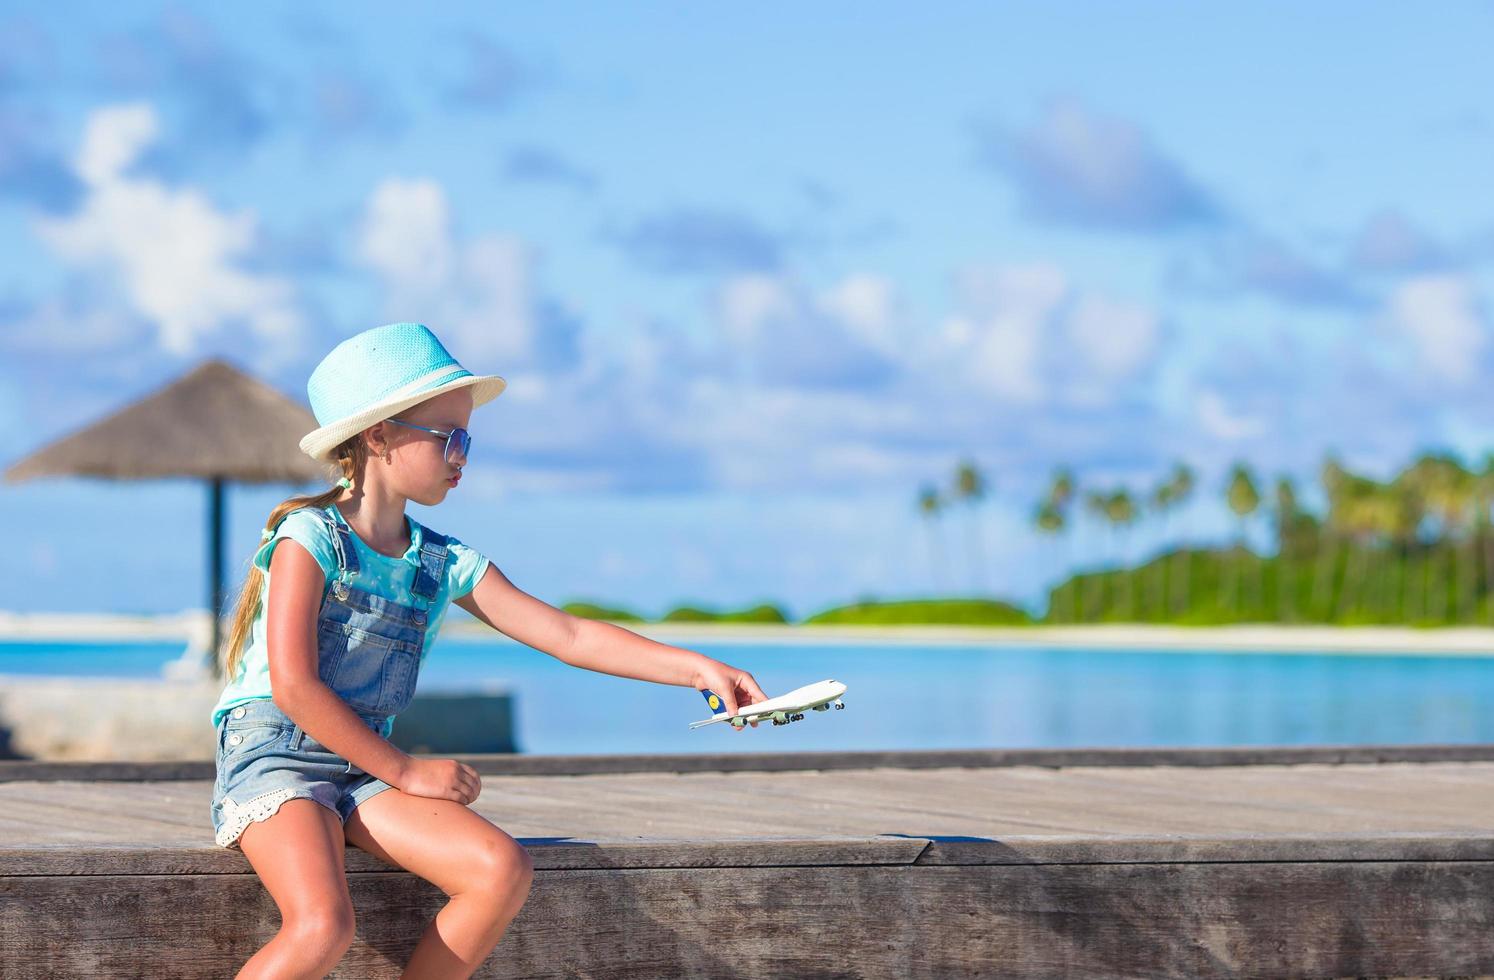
376 438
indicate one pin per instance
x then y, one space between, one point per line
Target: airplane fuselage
785 708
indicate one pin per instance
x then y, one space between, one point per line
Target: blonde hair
351 455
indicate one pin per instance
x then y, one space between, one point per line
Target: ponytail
351 456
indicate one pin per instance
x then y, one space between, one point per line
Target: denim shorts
258 770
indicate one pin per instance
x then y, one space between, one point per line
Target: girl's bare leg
297 854
486 873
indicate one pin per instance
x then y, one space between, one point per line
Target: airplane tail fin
718 709
718 706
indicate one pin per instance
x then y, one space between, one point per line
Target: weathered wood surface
1308 801
1181 920
1187 870
502 764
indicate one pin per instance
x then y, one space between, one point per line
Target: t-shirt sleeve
311 533
464 569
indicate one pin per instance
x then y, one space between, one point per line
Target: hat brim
319 443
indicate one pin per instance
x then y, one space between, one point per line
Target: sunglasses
457 441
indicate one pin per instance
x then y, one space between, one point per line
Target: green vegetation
1417 549
592 611
757 614
967 612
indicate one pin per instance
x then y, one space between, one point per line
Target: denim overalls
368 652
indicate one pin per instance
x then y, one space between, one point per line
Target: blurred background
962 313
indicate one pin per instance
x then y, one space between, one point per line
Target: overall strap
347 555
432 571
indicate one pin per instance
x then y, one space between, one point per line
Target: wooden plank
985 803
547 853
556 765
554 853
1172 920
1207 848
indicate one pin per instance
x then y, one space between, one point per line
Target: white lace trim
237 816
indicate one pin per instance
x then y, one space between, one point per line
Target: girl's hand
736 686
441 779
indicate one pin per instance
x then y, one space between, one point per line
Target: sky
755 274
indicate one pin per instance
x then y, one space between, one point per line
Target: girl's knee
328 931
503 865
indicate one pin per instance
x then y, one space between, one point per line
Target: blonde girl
325 649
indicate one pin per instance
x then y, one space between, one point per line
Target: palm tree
1286 548
1121 511
1445 489
1333 477
1163 495
970 487
1097 504
1049 520
1416 487
1364 512
1483 483
1061 490
1182 488
1060 496
931 505
1243 499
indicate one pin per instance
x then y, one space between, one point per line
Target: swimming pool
939 696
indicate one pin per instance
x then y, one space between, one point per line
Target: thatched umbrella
215 423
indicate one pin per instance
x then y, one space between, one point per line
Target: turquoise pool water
904 697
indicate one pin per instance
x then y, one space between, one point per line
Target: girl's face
417 468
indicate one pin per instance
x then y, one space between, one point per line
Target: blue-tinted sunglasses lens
457 445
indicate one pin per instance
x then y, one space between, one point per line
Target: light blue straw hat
379 373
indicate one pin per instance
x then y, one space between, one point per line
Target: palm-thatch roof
215 423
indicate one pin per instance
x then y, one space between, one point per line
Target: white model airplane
781 710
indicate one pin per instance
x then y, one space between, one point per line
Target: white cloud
1115 337
114 139
868 306
1217 421
477 294
174 254
1078 165
997 339
1439 314
782 333
745 302
1027 335
407 234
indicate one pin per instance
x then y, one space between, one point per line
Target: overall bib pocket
369 671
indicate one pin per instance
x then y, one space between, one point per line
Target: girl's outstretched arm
603 647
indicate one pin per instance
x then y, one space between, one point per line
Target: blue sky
755 274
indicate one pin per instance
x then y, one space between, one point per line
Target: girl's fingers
749 685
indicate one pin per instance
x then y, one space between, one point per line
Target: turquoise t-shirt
377 573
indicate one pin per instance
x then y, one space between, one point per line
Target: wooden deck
1147 863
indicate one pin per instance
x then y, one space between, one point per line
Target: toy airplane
781 710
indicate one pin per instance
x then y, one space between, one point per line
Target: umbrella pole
215 569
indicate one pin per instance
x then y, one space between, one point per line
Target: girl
318 670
